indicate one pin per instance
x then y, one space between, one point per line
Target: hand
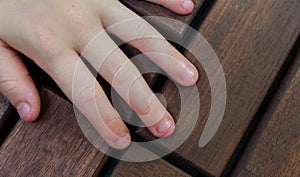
54 33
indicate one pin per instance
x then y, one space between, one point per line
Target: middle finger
113 65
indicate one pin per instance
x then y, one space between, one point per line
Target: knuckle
78 21
45 41
7 87
169 50
84 23
143 29
125 74
122 77
143 111
86 95
113 124
44 38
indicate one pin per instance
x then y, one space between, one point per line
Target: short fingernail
187 4
123 141
189 75
23 109
164 126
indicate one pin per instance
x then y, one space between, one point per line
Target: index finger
134 30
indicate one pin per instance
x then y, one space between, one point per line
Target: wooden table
257 43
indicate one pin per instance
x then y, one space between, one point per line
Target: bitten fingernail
123 141
164 126
23 109
187 4
188 75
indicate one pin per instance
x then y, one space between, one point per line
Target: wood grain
4 105
252 40
4 109
145 8
6 120
147 169
274 149
52 146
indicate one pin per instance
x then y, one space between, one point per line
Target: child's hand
54 33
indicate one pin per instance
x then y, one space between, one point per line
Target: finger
125 78
178 6
17 85
81 87
129 27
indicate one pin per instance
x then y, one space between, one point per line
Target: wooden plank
4 111
51 146
274 149
145 8
6 118
152 168
252 40
4 105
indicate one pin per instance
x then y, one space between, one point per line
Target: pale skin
48 33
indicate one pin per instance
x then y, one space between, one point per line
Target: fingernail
187 4
123 141
188 75
23 109
164 126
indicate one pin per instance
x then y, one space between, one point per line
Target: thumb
17 85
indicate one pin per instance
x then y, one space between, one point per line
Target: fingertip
28 112
115 133
189 77
27 100
187 7
164 127
169 132
23 110
122 142
182 7
195 77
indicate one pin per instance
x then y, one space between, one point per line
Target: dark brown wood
6 121
145 8
53 146
252 40
274 149
4 105
153 168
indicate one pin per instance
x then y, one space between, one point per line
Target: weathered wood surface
274 149
147 169
52 146
252 40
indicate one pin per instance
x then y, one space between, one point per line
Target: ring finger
105 56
